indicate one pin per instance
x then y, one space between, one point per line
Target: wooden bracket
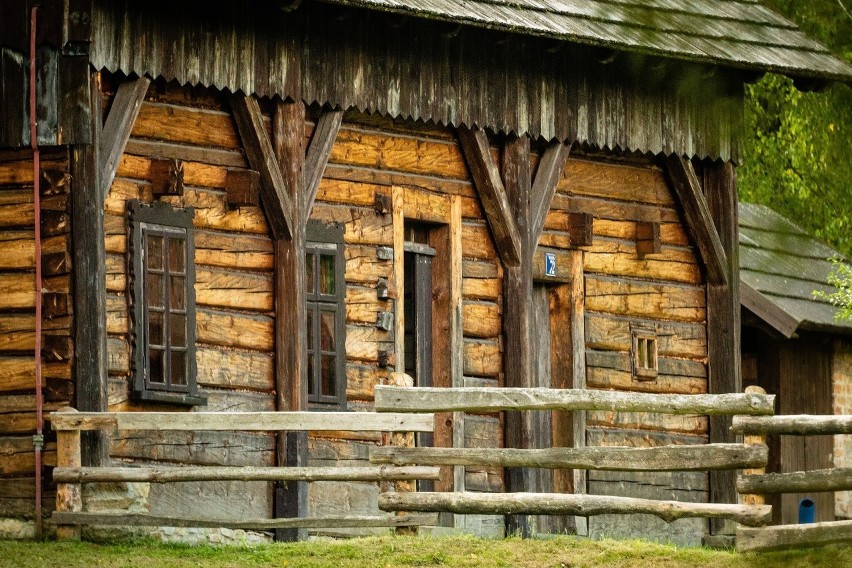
647 238
166 176
242 187
116 131
549 172
492 193
274 192
698 218
580 229
316 158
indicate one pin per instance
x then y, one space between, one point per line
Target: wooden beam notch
166 177
242 187
580 227
647 238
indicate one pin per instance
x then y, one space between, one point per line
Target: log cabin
276 205
794 347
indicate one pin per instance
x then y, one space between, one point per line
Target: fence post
68 495
754 439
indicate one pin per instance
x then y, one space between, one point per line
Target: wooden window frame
165 220
644 353
323 239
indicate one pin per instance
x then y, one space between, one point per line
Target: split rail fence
69 474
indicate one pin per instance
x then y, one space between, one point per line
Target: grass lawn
394 551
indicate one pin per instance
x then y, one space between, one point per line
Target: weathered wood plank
188 125
615 181
550 170
674 339
477 399
141 520
646 299
241 473
815 480
793 536
116 131
798 425
231 329
662 458
561 504
319 151
242 421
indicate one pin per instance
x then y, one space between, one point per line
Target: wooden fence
69 475
759 483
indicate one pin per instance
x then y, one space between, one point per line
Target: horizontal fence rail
815 480
797 425
243 421
488 399
569 504
241 473
661 458
793 536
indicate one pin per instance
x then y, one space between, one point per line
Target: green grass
393 552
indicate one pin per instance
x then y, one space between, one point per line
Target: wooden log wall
841 387
17 318
627 284
234 297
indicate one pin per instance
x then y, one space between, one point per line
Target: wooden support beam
69 497
793 536
795 425
243 421
816 480
562 504
662 458
142 520
325 133
116 132
491 399
699 221
275 192
549 172
242 473
492 193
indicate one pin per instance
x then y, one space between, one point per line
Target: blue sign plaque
549 264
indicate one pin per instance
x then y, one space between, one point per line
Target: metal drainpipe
38 439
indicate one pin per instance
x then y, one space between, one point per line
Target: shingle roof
780 267
742 33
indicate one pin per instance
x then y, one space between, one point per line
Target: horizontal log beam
818 480
215 473
243 421
797 425
793 536
141 520
663 458
486 399
567 504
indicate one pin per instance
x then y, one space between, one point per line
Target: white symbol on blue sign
549 264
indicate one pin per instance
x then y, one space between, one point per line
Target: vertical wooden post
288 128
754 439
723 322
68 495
398 220
517 314
456 342
87 232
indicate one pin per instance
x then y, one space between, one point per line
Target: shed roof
742 33
780 267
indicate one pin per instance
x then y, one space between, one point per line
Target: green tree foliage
841 278
798 146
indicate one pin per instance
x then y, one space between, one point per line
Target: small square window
162 291
645 360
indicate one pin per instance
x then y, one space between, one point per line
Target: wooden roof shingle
780 267
733 33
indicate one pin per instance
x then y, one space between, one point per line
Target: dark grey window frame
163 219
326 239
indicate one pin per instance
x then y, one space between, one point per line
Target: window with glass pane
326 316
163 297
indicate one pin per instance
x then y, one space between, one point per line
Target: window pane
155 251
311 383
177 248
155 328
327 284
309 276
155 289
329 375
178 368
155 364
177 292
327 331
310 328
178 330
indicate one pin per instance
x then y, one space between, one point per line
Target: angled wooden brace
274 192
116 131
317 156
698 219
489 185
549 171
